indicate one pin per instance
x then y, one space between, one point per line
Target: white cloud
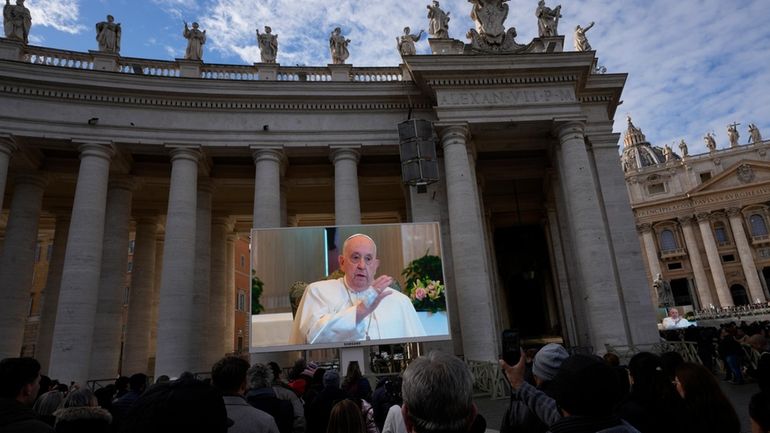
61 15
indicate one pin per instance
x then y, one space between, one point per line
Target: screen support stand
348 354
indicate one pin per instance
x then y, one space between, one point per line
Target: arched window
668 241
758 226
720 233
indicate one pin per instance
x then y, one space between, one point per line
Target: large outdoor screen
324 287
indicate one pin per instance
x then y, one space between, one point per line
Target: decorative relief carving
685 221
644 228
745 173
733 211
507 97
703 216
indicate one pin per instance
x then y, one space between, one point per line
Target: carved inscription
705 200
507 97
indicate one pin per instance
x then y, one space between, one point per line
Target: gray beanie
548 360
331 379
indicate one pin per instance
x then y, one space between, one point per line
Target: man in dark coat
19 385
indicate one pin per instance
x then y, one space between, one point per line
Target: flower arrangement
423 282
428 295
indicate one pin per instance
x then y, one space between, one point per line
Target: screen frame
358 228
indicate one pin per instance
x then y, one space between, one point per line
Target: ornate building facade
702 219
536 224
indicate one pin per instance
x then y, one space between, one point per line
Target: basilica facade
702 219
537 229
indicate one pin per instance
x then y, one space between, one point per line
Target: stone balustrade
208 71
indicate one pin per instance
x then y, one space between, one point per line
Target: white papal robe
327 314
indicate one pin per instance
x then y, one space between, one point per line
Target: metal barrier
489 379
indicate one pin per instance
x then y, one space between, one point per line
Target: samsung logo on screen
352 343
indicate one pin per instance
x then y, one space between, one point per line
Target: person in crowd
228 375
284 392
137 384
121 387
731 352
761 373
80 413
300 376
706 408
759 412
314 387
357 306
104 396
47 404
386 396
653 400
19 385
545 365
262 396
355 384
438 396
319 410
611 359
670 361
346 417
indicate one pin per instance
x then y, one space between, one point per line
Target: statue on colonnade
711 144
581 41
108 35
438 26
547 19
406 42
754 135
268 45
338 46
195 40
17 21
732 134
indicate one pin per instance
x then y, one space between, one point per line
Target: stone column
230 295
467 239
51 291
79 293
561 276
590 241
715 262
17 262
155 301
176 311
267 187
652 257
347 204
7 147
105 352
218 295
746 255
136 350
202 275
696 262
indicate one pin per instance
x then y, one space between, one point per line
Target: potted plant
423 283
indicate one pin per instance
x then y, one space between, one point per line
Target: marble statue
668 153
547 19
683 148
438 26
339 47
195 40
732 134
268 45
754 135
406 42
17 21
711 144
108 35
581 41
663 289
489 16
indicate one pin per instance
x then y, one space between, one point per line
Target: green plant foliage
423 283
256 292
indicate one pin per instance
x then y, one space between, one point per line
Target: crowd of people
551 391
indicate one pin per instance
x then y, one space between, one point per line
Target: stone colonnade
709 244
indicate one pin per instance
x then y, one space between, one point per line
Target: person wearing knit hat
548 360
519 417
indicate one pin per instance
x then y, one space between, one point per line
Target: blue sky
694 65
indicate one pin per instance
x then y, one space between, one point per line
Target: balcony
672 253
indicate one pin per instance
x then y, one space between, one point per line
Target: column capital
342 152
644 228
574 129
703 216
733 212
8 144
35 178
686 221
452 133
97 149
188 152
273 153
123 182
